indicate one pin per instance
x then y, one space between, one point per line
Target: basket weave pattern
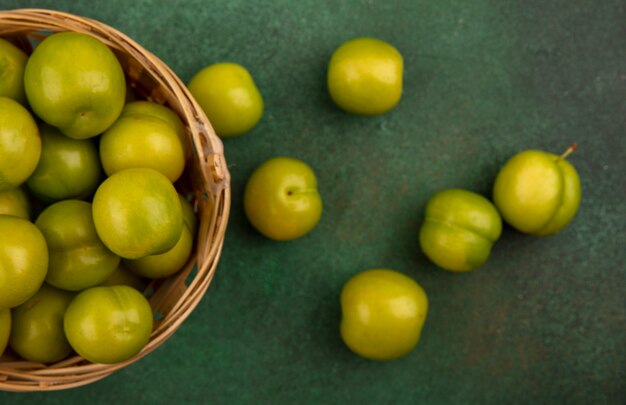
206 178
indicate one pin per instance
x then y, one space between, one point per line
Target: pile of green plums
383 310
135 217
88 205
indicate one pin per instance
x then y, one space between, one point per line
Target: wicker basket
206 178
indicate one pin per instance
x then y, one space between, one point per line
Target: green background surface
542 322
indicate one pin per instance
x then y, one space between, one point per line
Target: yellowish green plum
229 98
21 274
74 82
20 144
365 76
12 65
78 258
37 326
108 324
137 212
459 230
281 199
383 313
68 168
142 141
538 192
159 111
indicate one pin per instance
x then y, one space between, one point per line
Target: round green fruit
137 212
142 141
108 324
75 83
78 259
68 168
229 97
165 114
37 326
20 144
537 192
459 230
23 260
281 199
383 313
365 76
12 65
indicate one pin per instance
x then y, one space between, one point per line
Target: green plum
365 76
74 82
137 140
281 199
37 326
20 144
538 192
165 114
12 64
459 230
137 212
78 258
108 324
383 313
68 168
23 260
229 98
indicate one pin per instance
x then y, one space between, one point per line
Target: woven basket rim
211 188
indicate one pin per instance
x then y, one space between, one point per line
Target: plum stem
568 151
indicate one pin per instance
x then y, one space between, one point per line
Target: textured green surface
542 322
